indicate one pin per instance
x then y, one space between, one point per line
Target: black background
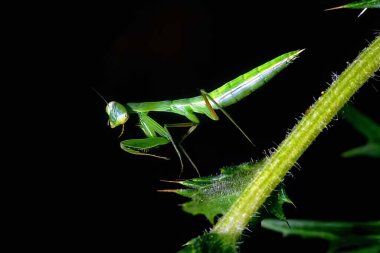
169 50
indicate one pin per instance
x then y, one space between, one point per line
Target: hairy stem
302 135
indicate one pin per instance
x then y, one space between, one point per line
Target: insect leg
192 126
207 97
175 146
140 146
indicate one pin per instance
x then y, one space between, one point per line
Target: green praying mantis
206 103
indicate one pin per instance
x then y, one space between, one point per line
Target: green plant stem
302 135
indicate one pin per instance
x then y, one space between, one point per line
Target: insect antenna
100 95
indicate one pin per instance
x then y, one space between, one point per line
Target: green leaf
276 202
359 5
353 237
212 196
211 243
368 128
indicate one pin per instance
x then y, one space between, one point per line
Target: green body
224 96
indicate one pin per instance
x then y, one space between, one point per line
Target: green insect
228 94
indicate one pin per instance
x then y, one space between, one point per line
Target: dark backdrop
169 50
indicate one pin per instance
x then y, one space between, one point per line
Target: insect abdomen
245 84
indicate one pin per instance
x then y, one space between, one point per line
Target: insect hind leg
206 98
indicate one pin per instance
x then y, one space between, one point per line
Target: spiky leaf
276 202
212 196
211 243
